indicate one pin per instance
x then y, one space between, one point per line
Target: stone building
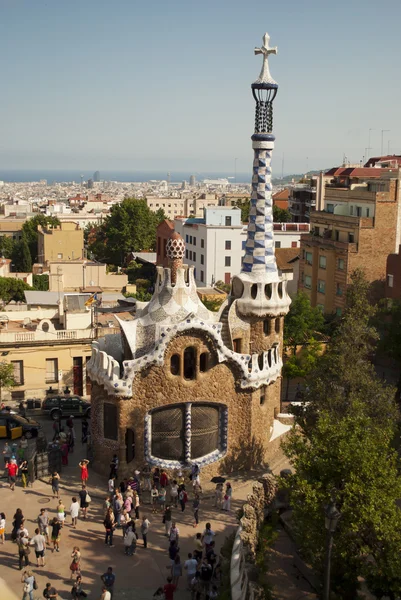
182 385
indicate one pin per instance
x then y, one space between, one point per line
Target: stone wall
249 420
243 572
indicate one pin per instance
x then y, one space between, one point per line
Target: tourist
167 520
111 485
117 507
75 566
213 593
50 592
7 453
180 479
135 502
205 576
173 550
128 503
56 430
211 555
146 473
64 449
154 495
114 467
109 526
190 565
198 552
162 498
12 469
176 570
195 508
43 523
169 589
105 595
56 534
109 579
77 591
18 518
39 542
70 422
183 498
208 536
156 478
144 531
74 512
218 496
83 465
130 542
174 533
125 519
23 549
84 434
23 468
2 527
227 497
136 482
29 585
163 479
71 437
174 492
84 499
195 588
61 512
107 504
55 481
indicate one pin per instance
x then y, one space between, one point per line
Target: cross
265 76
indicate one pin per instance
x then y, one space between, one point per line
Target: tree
30 229
6 246
300 365
12 289
388 323
302 321
25 259
280 215
354 457
244 204
6 377
41 282
131 226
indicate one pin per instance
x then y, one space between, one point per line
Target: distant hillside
294 176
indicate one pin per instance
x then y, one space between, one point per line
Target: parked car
64 406
13 426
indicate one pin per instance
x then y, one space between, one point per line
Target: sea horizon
123 176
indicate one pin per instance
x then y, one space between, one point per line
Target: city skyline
158 88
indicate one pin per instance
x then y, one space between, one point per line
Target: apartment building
182 206
307 196
359 227
65 241
78 275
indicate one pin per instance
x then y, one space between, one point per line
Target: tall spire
260 290
259 249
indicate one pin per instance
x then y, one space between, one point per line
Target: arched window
267 326
262 396
189 363
130 445
260 361
277 325
175 361
254 291
203 362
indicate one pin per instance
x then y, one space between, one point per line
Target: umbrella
218 480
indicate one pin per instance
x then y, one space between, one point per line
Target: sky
127 84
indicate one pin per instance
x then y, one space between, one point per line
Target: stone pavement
136 577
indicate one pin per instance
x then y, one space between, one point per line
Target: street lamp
332 516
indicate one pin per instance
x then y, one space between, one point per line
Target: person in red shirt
163 479
169 589
12 469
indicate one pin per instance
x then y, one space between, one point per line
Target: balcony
328 243
345 194
31 337
322 217
292 227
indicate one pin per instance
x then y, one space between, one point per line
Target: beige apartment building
65 242
182 207
358 228
79 275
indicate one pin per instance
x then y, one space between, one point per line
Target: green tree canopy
280 215
6 376
13 289
302 321
6 246
41 282
131 226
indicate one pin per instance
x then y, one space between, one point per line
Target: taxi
14 426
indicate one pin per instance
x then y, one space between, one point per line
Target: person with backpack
183 498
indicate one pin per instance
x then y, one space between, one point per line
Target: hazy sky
128 84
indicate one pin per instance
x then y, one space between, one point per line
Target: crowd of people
167 497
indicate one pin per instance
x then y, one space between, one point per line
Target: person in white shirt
105 594
39 542
111 485
74 512
208 535
190 566
130 542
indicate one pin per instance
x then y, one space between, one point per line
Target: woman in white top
174 493
2 526
74 512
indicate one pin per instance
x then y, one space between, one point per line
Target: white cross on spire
265 76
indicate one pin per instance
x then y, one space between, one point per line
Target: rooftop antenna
371 129
381 147
367 153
